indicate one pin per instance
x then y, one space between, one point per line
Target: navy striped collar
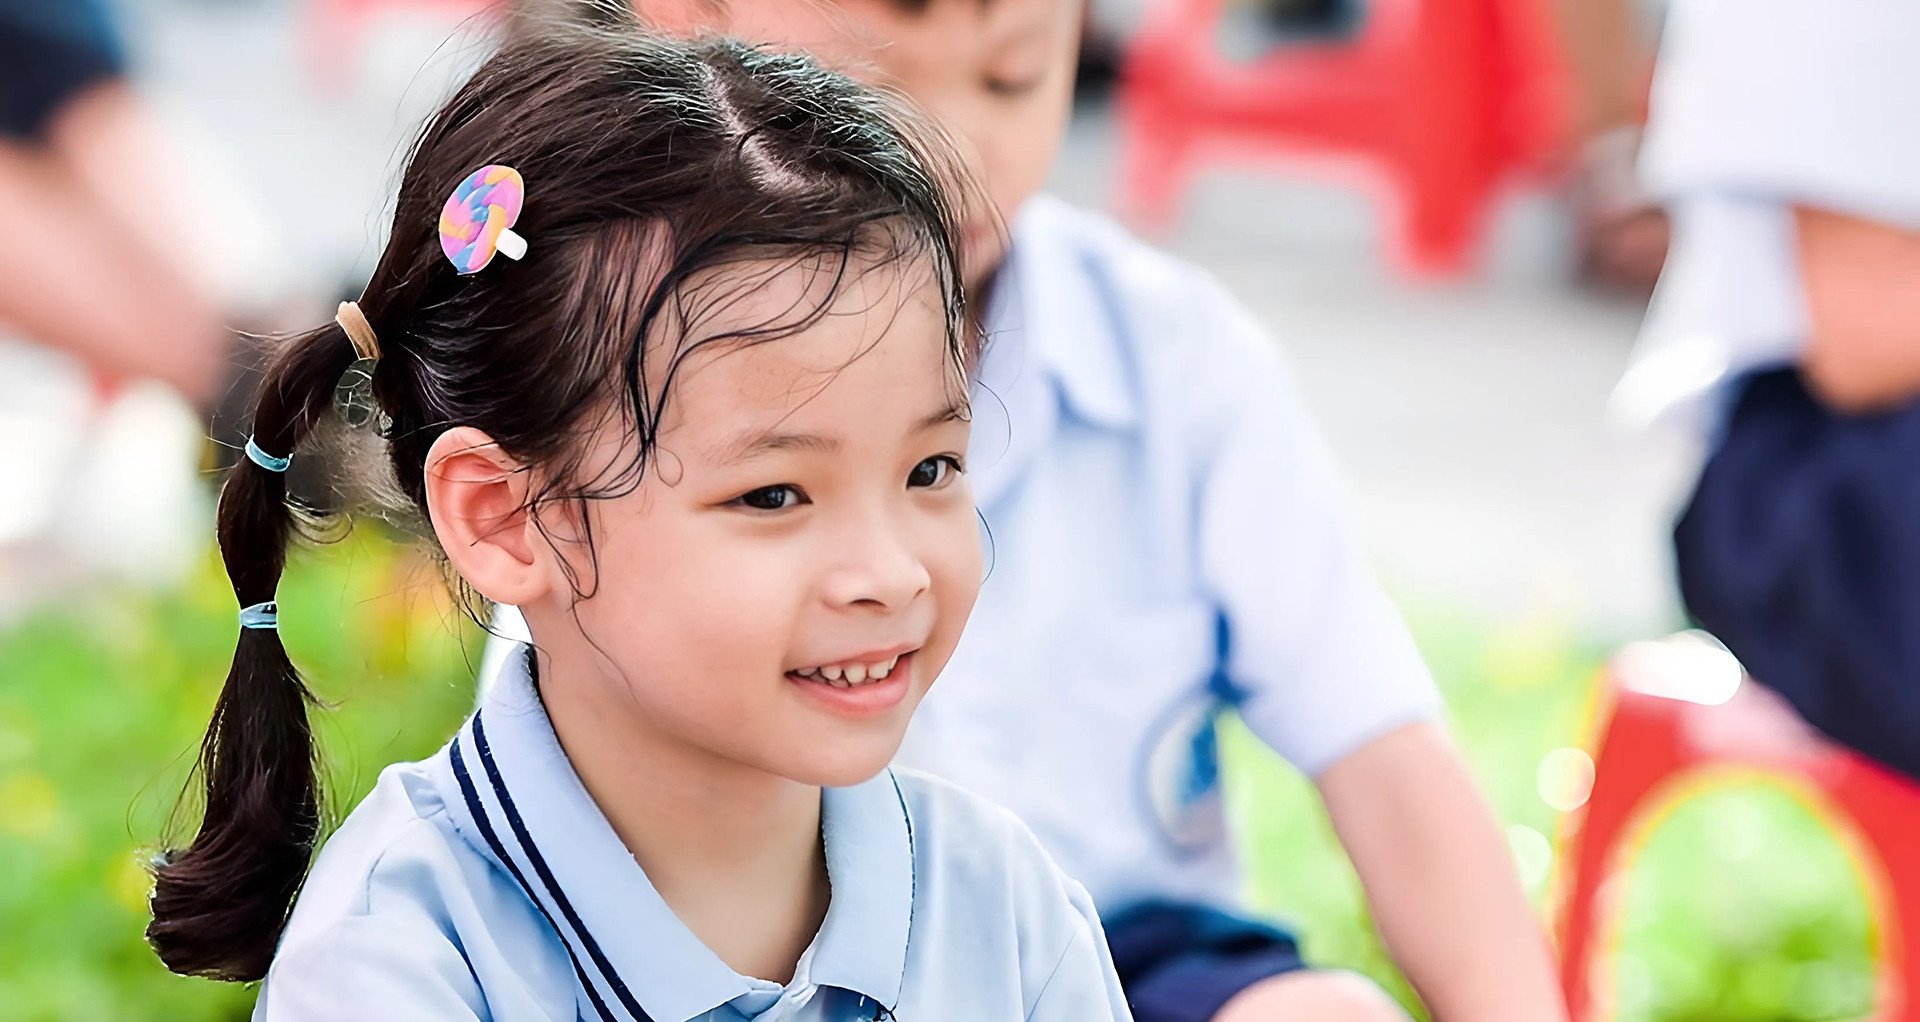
515 797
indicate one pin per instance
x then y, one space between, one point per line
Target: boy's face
997 75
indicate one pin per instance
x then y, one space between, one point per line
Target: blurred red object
1653 758
1434 102
335 28
106 387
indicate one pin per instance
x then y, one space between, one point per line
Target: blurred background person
93 261
112 350
1786 139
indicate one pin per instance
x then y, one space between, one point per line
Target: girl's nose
879 568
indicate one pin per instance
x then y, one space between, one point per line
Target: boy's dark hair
649 163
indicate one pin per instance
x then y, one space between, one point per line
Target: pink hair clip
478 218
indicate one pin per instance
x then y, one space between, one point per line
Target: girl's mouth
849 674
859 688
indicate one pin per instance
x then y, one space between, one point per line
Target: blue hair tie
261 615
265 460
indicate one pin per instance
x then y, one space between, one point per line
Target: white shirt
1168 536
1758 106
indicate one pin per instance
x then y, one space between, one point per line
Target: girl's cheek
965 550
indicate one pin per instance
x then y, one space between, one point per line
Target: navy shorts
1183 963
1798 550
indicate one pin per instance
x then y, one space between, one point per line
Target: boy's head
996 74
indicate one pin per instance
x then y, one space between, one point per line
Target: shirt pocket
1143 688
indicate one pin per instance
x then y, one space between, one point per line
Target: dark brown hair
653 167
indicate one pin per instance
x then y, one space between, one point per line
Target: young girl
706 426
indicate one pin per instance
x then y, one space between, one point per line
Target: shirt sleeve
1793 100
368 969
1083 986
1319 656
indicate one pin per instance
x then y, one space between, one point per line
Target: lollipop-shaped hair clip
476 222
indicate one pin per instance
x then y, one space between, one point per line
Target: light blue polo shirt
1168 536
483 883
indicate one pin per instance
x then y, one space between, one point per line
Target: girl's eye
771 498
935 472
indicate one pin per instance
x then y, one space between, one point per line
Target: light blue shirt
484 883
1168 536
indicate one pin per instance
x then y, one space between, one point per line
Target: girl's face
794 569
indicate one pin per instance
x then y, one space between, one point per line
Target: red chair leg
1154 166
1884 809
1642 749
1440 225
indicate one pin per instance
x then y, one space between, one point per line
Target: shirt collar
515 797
862 945
1053 295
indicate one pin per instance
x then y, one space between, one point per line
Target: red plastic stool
334 27
1435 103
1648 764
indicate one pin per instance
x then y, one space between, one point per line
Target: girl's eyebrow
751 445
951 413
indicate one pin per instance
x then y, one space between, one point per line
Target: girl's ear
476 499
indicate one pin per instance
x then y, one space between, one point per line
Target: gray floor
1469 416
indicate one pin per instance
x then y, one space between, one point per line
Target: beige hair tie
359 331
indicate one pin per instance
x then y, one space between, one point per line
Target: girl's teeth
851 675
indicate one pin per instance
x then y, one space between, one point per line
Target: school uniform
484 883
1797 548
1166 539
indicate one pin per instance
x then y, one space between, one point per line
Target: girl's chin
839 762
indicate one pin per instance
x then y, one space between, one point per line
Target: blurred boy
1167 541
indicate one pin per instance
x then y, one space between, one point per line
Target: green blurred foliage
1743 909
101 712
